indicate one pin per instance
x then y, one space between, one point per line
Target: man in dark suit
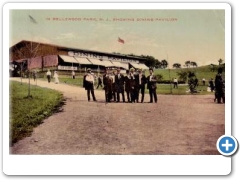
141 80
152 86
127 85
132 85
108 83
88 81
119 84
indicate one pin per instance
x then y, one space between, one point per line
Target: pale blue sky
195 35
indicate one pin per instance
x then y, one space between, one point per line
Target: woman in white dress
56 77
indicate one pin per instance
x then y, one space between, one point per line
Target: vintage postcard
131 83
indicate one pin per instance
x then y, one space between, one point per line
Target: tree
158 64
182 75
220 61
150 61
176 65
193 64
164 64
212 67
159 77
187 64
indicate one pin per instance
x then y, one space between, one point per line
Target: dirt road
177 124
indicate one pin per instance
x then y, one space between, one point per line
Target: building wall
26 50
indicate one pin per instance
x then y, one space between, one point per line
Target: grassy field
200 72
26 113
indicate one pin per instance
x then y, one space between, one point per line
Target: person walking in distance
99 81
49 74
152 86
88 82
56 77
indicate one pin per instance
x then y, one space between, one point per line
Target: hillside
201 72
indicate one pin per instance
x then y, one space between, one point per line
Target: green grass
28 112
200 72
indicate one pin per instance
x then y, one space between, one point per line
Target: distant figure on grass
203 81
175 83
73 74
88 84
34 75
152 86
56 80
211 84
49 74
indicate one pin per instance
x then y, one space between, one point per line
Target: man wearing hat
152 86
107 82
127 85
119 84
132 85
88 82
140 84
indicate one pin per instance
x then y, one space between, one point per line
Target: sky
174 35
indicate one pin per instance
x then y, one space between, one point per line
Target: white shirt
90 78
49 73
150 78
140 78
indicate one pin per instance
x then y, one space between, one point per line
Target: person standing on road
56 77
119 84
108 83
88 84
49 74
127 85
219 87
152 86
133 91
140 84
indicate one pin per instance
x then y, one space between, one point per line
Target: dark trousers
128 96
49 78
152 93
92 92
175 85
99 84
118 96
142 91
108 95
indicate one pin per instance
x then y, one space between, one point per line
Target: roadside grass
28 112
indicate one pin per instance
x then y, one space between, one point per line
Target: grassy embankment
28 112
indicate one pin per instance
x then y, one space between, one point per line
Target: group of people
116 85
55 76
